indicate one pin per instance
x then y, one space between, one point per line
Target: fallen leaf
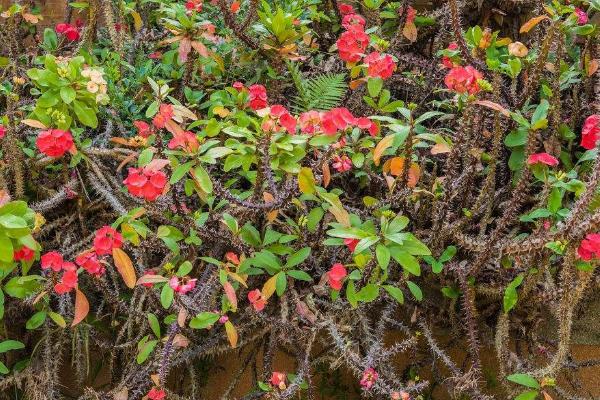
382 147
82 307
125 267
269 287
34 123
151 279
410 31
232 334
326 174
440 148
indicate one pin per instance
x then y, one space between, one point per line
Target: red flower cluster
351 244
186 141
582 17
590 133
280 119
164 115
463 79
310 122
351 21
447 61
278 380
156 394
345 9
590 247
143 128
54 260
339 119
147 183
542 158
257 300
106 240
342 164
369 378
89 262
380 65
70 31
182 285
336 275
54 142
24 254
194 5
353 43
2 131
257 98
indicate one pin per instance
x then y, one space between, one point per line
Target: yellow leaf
527 26
410 31
337 209
82 307
137 20
269 287
381 147
232 334
124 266
132 234
238 278
34 123
221 111
306 181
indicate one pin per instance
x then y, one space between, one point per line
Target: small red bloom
278 380
337 119
146 183
352 44
543 158
345 9
582 17
68 281
310 122
411 14
155 55
194 5
106 240
70 31
463 80
590 247
232 258
54 142
590 133
143 128
238 85
2 131
186 141
156 394
24 254
234 7
351 20
53 260
257 98
447 61
380 65
369 378
164 115
336 275
89 262
257 300
342 164
182 285
351 243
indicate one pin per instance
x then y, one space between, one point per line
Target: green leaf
145 351
298 257
250 235
395 292
67 94
58 319
524 380
351 294
180 172
85 114
415 290
10 221
9 345
184 269
154 324
300 275
408 262
368 293
448 253
280 283
374 86
145 157
204 320
531 395
3 368
6 249
510 293
203 179
36 320
555 200
383 256
166 296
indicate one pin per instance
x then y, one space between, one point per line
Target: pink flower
54 142
239 86
590 247
351 20
155 55
400 396
2 131
194 5
89 262
146 183
149 272
53 260
106 240
24 254
463 79
352 44
366 123
351 243
336 275
257 300
278 380
143 128
448 63
156 393
232 258
337 119
380 65
257 98
223 319
369 378
182 285
68 281
543 158
70 31
186 141
582 17
310 122
342 164
345 9
411 14
590 133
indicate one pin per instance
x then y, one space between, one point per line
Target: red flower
582 17
351 20
342 164
2 131
380 65
411 14
351 243
70 31
53 260
590 133
186 141
369 378
68 281
182 285
278 380
336 275
337 119
543 158
106 240
345 9
235 7
238 85
24 254
257 300
366 123
589 247
165 113
352 44
447 61
194 5
310 121
89 262
54 142
232 258
146 183
156 394
155 55
463 79
258 97
143 128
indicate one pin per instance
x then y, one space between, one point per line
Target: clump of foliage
344 182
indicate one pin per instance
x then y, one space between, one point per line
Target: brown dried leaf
82 307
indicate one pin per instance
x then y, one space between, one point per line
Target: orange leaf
414 173
326 175
410 31
230 293
82 307
200 48
156 164
592 67
232 334
174 128
546 395
527 26
382 147
181 317
396 165
269 287
494 106
271 215
355 84
124 266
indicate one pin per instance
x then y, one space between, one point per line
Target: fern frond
323 92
